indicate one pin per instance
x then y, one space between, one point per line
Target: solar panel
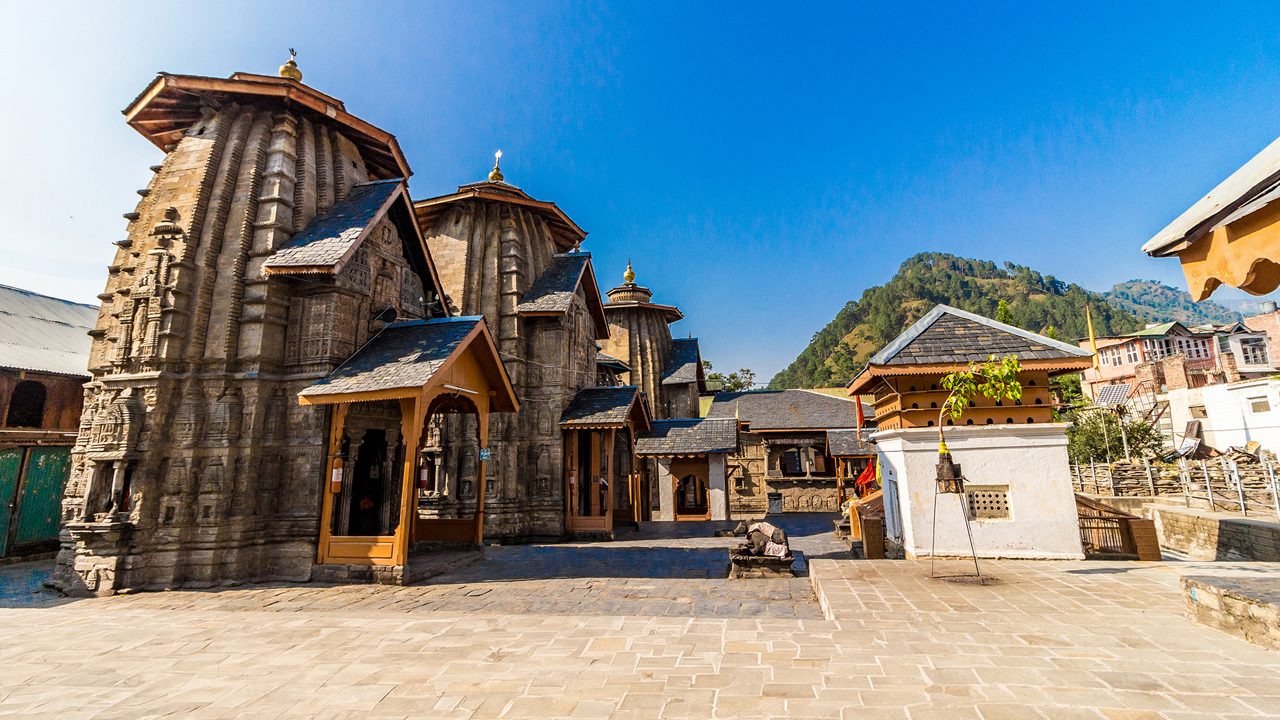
1112 394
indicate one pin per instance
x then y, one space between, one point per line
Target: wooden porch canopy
1232 234
606 408
413 362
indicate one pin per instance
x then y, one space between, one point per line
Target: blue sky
761 165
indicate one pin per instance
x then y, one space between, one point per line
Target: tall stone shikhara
514 259
195 464
668 371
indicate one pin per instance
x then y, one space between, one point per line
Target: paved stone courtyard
641 628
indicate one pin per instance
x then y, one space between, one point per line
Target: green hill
1153 302
862 327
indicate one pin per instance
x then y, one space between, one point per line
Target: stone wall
1248 608
1205 535
195 465
488 254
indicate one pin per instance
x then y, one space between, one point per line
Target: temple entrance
690 488
589 478
384 447
691 498
602 481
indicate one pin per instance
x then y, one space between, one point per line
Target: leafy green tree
996 379
1050 332
1003 314
743 379
1095 437
1070 396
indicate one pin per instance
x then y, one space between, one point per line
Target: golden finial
290 68
495 175
629 277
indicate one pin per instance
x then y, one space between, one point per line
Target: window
1253 351
789 463
26 405
988 502
1131 353
1259 405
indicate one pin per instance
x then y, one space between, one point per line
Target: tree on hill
743 379
839 350
1002 313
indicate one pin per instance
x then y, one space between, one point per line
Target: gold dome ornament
629 277
495 175
290 68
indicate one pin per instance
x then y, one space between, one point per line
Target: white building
1231 414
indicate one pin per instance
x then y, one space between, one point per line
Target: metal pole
1151 483
1093 471
1184 479
964 510
1229 466
1271 482
1208 485
1124 436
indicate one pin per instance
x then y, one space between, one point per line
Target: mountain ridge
1037 302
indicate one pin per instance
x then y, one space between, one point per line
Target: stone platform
1246 607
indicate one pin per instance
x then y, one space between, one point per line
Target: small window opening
26 405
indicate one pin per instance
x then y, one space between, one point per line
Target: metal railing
1221 483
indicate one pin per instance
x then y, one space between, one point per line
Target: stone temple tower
195 464
514 259
668 371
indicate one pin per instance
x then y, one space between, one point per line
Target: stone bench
1246 607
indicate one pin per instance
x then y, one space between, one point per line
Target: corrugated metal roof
38 332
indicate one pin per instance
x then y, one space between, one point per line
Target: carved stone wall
756 471
195 465
640 337
488 254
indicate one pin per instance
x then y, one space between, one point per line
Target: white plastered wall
666 491
1030 460
717 495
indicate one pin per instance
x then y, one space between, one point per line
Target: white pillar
666 491
716 493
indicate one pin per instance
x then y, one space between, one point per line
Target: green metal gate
31 484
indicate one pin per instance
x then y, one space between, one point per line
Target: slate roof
612 362
45 334
600 407
331 238
684 363
404 355
785 410
554 289
845 443
689 436
950 335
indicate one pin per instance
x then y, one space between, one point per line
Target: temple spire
495 175
629 277
290 68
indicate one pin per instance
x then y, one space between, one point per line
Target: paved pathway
1045 640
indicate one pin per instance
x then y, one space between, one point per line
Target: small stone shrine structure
783 449
1018 495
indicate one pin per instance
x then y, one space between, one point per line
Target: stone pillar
717 497
666 491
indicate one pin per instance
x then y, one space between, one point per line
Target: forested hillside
1036 302
1154 302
